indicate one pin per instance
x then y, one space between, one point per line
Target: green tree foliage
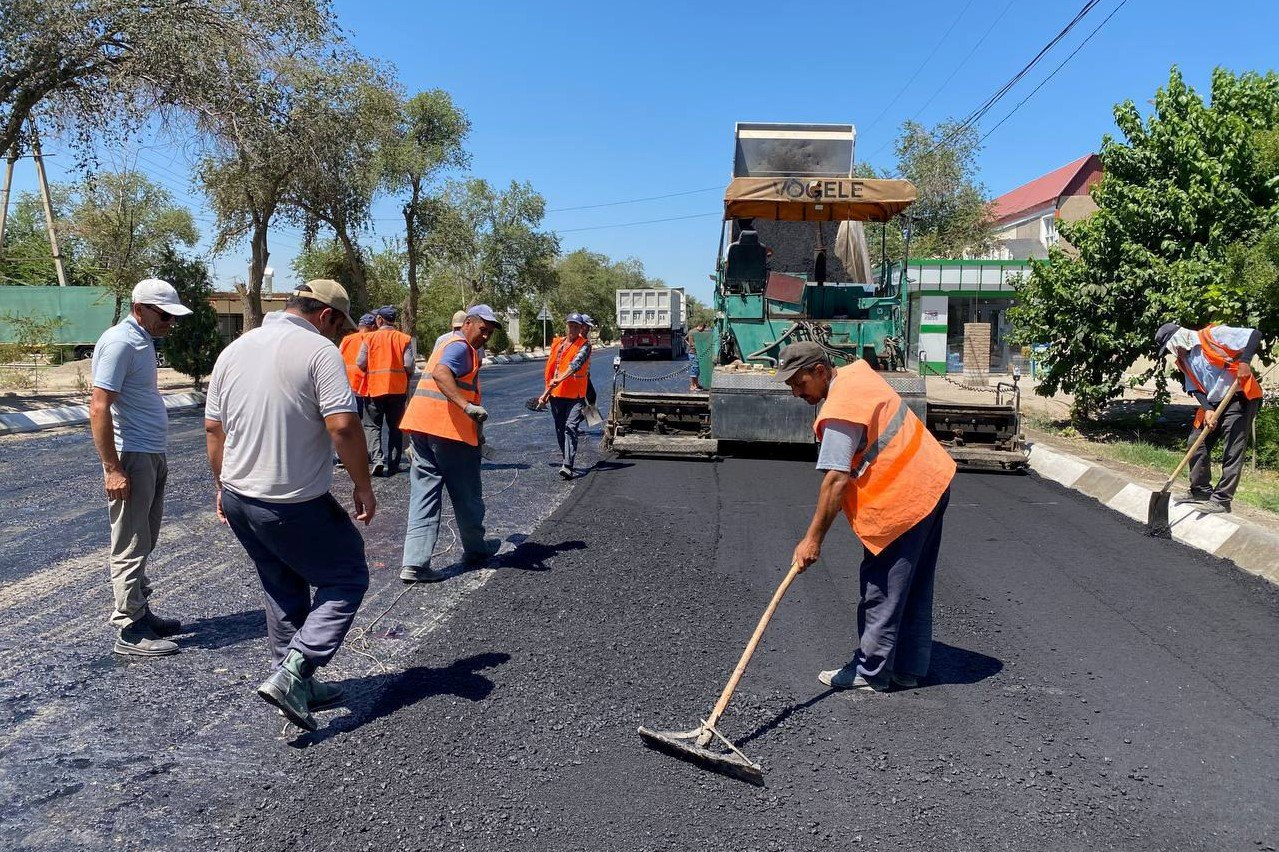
951 217
193 344
95 70
425 143
34 339
383 271
344 109
26 258
125 222
699 313
491 241
1180 235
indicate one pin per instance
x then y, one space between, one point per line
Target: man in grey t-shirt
130 427
277 407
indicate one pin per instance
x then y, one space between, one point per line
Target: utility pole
48 206
4 193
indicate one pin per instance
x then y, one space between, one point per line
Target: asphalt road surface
1091 688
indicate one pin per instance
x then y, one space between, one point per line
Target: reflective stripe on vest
431 413
898 479
385 368
572 386
350 349
1223 357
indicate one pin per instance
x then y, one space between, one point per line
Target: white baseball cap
161 294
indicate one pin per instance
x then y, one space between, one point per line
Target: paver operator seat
746 264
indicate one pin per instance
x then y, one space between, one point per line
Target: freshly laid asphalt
1091 688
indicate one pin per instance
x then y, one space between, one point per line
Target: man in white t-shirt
278 405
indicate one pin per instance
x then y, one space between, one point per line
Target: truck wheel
83 353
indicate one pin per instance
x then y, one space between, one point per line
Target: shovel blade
683 745
1157 523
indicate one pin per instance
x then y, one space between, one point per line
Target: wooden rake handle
725 696
1203 433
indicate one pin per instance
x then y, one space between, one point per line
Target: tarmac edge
1252 548
35 420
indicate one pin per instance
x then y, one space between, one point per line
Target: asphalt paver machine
793 265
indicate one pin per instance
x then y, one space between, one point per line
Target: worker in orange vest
568 370
1211 360
443 422
388 359
350 349
892 480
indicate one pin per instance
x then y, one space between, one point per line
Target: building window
1050 230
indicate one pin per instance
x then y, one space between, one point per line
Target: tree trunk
410 242
360 298
251 295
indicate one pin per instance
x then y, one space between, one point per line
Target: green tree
96 70
492 242
193 344
383 270
951 217
26 258
344 109
1179 236
426 142
699 313
125 222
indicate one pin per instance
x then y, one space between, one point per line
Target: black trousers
378 410
1233 428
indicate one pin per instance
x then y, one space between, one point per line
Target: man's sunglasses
164 315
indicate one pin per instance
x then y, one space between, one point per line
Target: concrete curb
1252 548
39 419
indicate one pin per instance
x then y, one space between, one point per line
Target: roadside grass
1157 450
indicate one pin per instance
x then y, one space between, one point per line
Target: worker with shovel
892 480
568 370
1212 360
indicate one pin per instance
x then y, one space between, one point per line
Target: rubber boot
325 695
289 689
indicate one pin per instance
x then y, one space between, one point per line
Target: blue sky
595 103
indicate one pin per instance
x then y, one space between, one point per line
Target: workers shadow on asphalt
222 631
781 717
371 698
956 665
606 465
531 555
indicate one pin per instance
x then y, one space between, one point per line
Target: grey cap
367 321
484 312
797 356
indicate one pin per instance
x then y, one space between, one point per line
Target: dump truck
651 323
85 313
793 265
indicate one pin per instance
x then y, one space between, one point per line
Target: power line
634 200
1054 71
994 23
921 67
629 224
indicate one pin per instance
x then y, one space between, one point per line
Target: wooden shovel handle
731 686
1203 433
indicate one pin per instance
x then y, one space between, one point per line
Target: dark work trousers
387 409
568 416
1233 427
296 546
895 612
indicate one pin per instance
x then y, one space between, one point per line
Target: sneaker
1212 507
847 678
139 640
1191 496
566 472
339 466
378 469
162 626
481 557
905 681
290 691
325 695
414 574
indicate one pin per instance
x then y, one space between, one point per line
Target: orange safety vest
901 474
562 354
385 368
350 349
431 413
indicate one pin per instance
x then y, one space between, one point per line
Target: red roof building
1026 218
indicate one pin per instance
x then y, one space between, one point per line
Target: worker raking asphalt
1090 689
